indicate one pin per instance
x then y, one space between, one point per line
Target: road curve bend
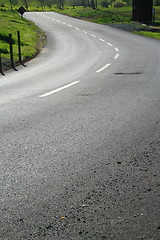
80 136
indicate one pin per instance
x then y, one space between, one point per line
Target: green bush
119 3
156 2
4 50
105 4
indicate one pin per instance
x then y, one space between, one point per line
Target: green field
101 15
32 38
149 34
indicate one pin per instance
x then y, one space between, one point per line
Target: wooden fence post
11 50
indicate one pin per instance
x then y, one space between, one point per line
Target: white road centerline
93 35
64 23
53 19
84 32
58 21
101 39
76 28
69 25
59 89
109 44
117 55
117 49
101 69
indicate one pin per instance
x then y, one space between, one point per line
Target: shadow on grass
155 24
6 38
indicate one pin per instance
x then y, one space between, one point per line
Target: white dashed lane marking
58 89
101 69
102 40
117 55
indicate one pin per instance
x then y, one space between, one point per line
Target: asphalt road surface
80 136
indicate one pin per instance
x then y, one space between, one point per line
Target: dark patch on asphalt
124 73
86 94
119 162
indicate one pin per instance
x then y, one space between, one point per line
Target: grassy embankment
32 38
101 15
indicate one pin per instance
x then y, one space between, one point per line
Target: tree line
84 3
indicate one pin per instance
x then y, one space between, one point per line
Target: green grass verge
101 15
148 34
32 38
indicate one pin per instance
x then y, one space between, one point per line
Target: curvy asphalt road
80 136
